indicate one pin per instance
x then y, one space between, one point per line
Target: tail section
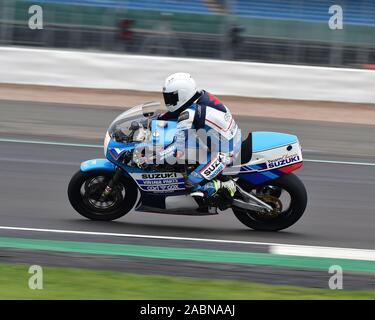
273 155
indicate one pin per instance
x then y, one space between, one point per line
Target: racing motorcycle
268 195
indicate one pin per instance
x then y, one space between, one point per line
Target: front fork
111 184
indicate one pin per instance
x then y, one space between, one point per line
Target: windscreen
124 126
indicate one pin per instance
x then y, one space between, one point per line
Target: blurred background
56 105
287 31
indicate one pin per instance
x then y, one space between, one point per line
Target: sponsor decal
283 161
160 182
164 188
159 175
116 152
213 169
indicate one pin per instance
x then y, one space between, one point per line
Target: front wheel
288 198
85 190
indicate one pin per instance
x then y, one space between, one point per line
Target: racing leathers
205 114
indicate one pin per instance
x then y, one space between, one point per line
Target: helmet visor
170 98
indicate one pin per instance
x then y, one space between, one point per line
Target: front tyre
85 190
273 193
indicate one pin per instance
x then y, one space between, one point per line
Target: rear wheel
286 195
85 195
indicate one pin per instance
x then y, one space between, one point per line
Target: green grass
74 283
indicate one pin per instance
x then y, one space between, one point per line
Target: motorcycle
269 196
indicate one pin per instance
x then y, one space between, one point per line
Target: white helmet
178 89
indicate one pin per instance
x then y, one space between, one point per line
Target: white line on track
274 248
323 252
52 143
38 161
368 164
129 235
82 145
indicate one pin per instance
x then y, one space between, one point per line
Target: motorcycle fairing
182 204
147 180
97 164
116 149
163 132
257 178
273 155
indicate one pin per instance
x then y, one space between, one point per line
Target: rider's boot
212 187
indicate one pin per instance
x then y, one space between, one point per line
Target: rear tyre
289 184
85 189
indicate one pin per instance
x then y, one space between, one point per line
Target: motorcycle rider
199 109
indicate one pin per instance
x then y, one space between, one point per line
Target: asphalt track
34 178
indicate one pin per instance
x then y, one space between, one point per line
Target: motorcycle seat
247 149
